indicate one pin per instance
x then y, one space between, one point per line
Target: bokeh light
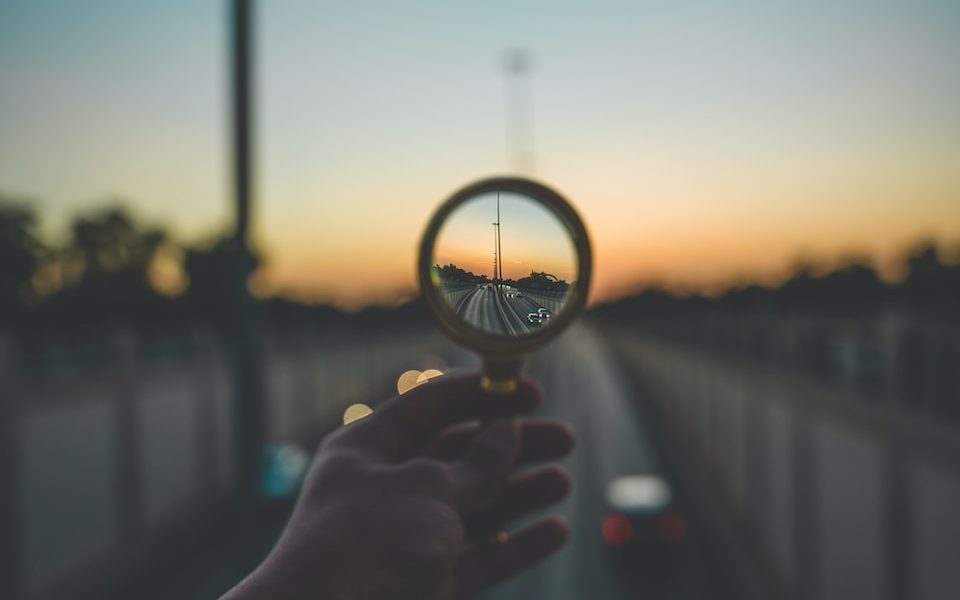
428 375
355 412
408 380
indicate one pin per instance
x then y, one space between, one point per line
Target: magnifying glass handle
500 375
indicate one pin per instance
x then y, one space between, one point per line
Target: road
583 386
498 313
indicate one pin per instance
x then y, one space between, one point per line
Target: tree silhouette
454 274
106 273
20 250
542 282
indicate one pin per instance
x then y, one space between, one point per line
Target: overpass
796 486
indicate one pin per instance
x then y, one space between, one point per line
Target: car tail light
671 527
616 530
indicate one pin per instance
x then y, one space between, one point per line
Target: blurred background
209 214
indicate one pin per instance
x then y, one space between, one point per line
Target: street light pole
495 255
499 248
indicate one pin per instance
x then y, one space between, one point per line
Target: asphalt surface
584 386
501 314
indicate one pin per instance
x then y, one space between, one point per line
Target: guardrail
100 472
551 300
457 293
836 495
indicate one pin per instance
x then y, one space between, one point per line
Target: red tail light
616 529
671 527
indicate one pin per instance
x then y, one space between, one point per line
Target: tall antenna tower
517 67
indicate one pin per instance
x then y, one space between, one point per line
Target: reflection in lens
505 264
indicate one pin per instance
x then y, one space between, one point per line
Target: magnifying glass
504 266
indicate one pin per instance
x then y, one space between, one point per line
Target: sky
532 239
702 142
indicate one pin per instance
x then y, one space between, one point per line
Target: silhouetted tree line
541 282
111 269
108 269
535 281
930 287
453 274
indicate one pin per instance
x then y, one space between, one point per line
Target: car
534 318
519 294
546 314
642 526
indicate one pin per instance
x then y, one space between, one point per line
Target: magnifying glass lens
504 264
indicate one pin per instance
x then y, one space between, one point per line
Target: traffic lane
537 300
517 320
520 308
480 310
495 313
583 387
455 293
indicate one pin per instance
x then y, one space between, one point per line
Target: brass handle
500 376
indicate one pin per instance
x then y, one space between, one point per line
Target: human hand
404 503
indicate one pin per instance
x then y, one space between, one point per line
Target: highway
584 386
498 313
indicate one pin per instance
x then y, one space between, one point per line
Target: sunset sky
531 239
702 142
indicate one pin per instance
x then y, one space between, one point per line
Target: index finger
406 423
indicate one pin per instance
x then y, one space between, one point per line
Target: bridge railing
101 468
836 493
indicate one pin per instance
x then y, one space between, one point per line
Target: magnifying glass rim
474 337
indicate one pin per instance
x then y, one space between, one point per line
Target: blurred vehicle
642 527
534 318
519 294
546 314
